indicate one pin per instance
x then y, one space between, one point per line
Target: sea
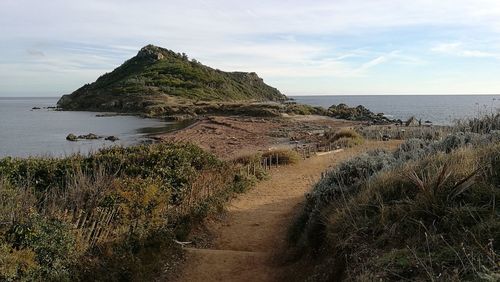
439 109
25 131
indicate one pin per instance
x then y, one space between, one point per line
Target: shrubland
110 215
424 212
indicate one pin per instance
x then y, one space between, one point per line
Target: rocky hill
157 76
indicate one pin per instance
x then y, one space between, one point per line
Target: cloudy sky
48 48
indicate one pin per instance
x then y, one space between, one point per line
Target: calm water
440 109
25 132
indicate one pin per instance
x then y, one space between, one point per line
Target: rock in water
71 137
90 136
112 138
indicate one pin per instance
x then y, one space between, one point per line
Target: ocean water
440 109
26 132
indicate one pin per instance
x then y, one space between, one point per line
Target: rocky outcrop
412 122
359 113
90 136
71 137
112 138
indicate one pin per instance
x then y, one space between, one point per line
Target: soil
229 137
248 241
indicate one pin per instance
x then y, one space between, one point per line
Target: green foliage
72 218
16 263
51 241
156 72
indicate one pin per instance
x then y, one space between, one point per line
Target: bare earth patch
228 137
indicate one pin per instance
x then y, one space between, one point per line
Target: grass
344 138
432 219
425 212
283 156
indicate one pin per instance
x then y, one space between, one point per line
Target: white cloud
458 49
278 39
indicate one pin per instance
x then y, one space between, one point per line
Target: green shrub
16 263
50 240
67 218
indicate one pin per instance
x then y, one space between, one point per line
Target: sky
50 48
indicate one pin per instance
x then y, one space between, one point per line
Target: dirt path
255 228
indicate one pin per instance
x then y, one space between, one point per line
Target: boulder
412 122
71 137
112 138
90 136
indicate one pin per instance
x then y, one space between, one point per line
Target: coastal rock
90 136
412 122
112 138
359 113
71 137
36 108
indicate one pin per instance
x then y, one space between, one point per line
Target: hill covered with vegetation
160 76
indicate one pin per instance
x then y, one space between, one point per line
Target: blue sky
49 48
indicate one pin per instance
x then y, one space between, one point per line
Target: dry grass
282 156
344 138
430 219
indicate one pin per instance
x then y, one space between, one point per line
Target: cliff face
156 75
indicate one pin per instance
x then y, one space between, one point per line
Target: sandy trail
254 230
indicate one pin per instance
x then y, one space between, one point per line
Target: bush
51 240
422 212
432 218
65 218
344 138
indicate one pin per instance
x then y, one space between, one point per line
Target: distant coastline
440 109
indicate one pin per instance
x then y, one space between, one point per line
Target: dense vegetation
425 212
160 76
111 215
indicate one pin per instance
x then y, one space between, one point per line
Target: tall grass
344 138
